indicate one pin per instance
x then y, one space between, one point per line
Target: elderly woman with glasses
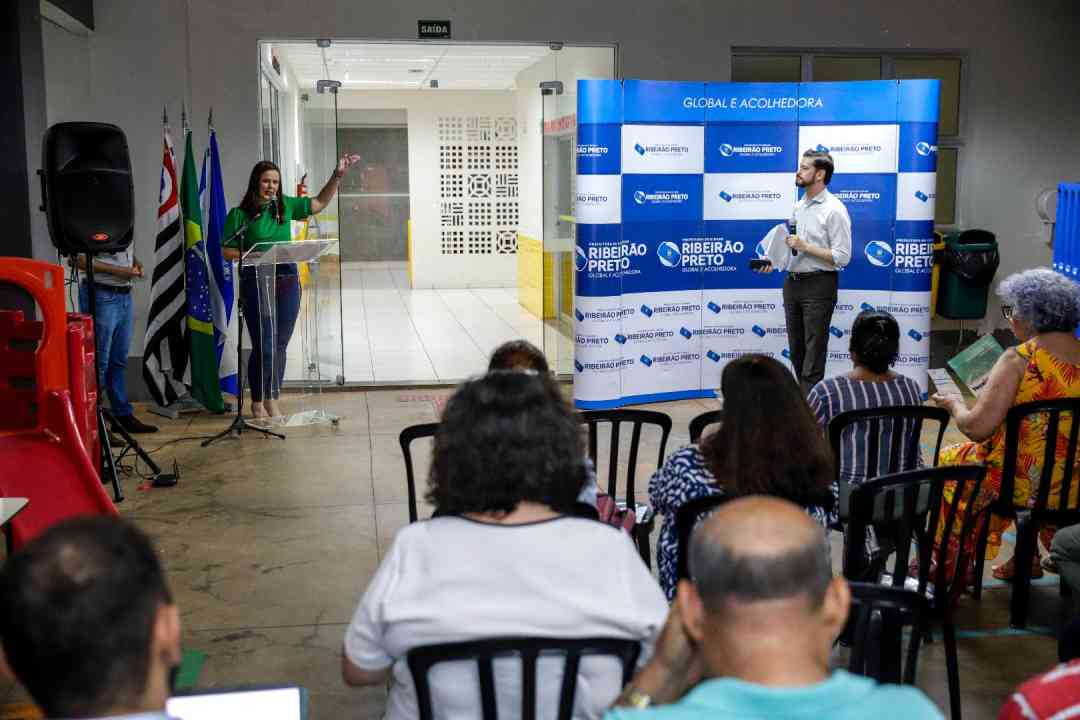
1043 311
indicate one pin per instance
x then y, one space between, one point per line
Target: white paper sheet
776 249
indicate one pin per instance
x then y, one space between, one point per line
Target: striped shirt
839 394
1054 694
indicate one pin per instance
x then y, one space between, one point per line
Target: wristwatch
636 699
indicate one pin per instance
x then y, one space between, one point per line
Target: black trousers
809 299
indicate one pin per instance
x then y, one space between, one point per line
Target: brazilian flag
201 345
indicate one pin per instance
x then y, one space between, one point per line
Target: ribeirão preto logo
660 197
581 260
851 149
750 196
661 149
879 253
751 150
925 149
669 254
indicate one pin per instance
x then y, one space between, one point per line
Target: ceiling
402 66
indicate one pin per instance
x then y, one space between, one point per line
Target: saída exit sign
433 29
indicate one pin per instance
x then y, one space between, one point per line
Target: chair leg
952 666
980 555
643 546
1026 549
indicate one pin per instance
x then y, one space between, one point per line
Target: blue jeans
112 338
270 333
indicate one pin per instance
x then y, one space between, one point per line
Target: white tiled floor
394 334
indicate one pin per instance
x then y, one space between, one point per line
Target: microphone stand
239 424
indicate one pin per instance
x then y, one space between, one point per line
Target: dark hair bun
875 340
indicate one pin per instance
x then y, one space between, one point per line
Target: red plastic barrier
83 375
20 396
45 282
55 472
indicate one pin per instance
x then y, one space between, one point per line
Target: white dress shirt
822 221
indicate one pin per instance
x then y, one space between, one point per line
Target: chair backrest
529 650
1054 454
636 419
907 507
699 423
875 627
413 432
860 433
686 518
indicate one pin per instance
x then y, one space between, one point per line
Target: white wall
67 73
431 268
1021 99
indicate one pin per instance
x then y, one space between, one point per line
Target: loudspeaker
86 188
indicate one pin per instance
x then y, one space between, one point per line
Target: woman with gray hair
1043 311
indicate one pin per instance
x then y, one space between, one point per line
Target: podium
298 329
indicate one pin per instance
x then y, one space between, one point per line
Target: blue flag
222 299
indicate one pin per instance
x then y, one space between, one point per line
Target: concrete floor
269 544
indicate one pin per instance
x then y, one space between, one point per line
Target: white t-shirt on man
452 579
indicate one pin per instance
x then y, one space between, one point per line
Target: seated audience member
523 355
1043 310
750 636
88 625
767 444
504 558
518 355
874 347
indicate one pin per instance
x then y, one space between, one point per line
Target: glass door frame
551 352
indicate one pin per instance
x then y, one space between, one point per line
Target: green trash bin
968 265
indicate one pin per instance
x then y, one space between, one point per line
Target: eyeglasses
1007 312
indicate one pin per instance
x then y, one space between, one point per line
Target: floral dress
1045 378
685 476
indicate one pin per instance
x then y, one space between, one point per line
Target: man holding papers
818 246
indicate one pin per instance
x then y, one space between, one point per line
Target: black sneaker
133 425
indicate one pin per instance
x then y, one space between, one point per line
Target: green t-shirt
266 229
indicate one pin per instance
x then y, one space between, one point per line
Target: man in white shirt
820 246
89 627
114 319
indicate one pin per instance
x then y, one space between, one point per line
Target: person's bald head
756 549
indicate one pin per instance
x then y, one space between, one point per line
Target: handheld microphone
794 231
274 210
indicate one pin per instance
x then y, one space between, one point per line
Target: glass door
317 345
571 63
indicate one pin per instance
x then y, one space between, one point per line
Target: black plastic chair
909 504
413 432
529 650
636 419
1030 519
909 418
875 628
686 518
702 421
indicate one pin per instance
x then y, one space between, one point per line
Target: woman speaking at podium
265 215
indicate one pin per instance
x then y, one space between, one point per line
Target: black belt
811 274
118 289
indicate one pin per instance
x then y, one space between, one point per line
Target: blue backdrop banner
678 183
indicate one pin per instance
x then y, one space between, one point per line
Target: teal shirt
842 697
266 228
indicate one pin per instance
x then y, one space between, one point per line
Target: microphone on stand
275 211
